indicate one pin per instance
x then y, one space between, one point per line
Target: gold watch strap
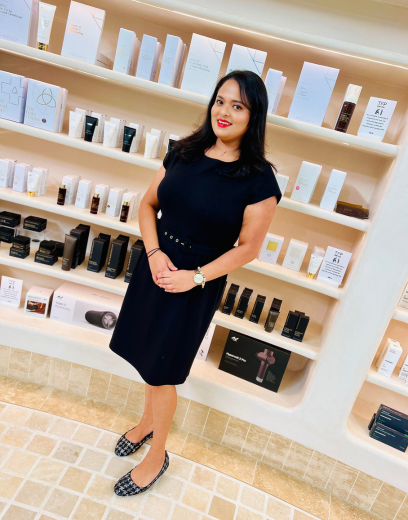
204 280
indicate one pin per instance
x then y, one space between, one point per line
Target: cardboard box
13 96
148 58
306 182
271 248
245 58
37 302
172 54
19 21
45 106
127 52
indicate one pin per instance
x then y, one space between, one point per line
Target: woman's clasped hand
167 276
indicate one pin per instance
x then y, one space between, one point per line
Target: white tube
45 19
75 124
314 264
110 134
33 181
151 141
134 147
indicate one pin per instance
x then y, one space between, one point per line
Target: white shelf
401 314
132 82
390 383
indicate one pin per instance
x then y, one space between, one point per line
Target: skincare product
83 32
245 58
21 242
230 299
103 191
386 435
110 135
45 106
42 174
272 82
134 203
20 177
306 182
301 327
113 206
203 65
83 113
95 203
19 21
7 234
333 189
159 143
7 172
279 94
172 139
313 93
148 58
33 223
347 108
394 419
71 185
18 251
315 262
127 52
295 255
33 183
151 141
46 17
9 219
124 212
404 298
81 233
290 324
334 266
273 315
62 193
282 181
90 125
271 248
243 303
120 123
172 53
45 258
377 117
13 95
37 302
134 256
69 251
403 373
135 144
84 192
128 136
99 252
116 258
100 126
257 308
389 358
352 210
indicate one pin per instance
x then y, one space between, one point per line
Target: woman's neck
225 150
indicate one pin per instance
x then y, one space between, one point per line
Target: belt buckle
185 244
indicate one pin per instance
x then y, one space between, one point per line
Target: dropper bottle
347 108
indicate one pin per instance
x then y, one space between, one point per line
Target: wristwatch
199 277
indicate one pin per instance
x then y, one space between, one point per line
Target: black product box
243 303
255 361
99 252
388 436
116 259
87 229
47 246
21 242
44 258
230 298
59 248
290 324
393 419
81 233
35 223
19 253
10 219
134 256
6 234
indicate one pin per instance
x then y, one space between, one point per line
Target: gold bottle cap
96 195
42 46
31 193
126 203
310 275
63 186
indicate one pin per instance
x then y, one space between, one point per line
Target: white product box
114 204
44 182
206 343
83 32
7 172
134 147
98 133
403 374
71 183
282 181
334 266
31 178
148 58
41 174
84 113
169 71
389 358
203 65
271 248
245 58
377 117
306 182
38 301
45 106
19 21
134 201
159 143
10 292
127 52
84 193
103 190
20 177
333 189
86 307
272 82
279 94
313 93
295 255
13 95
121 128
181 65
404 298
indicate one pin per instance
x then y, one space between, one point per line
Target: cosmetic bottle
95 204
128 136
90 125
347 108
68 253
315 262
45 19
125 212
62 191
273 315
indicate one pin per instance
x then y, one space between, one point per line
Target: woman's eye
219 101
238 106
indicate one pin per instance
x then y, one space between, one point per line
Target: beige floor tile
182 513
388 502
136 398
216 425
19 463
39 421
4 453
156 508
59 373
42 445
364 491
278 510
16 436
101 488
2 428
8 484
63 428
88 509
79 377
125 420
277 450
68 452
181 410
204 477
246 514
48 470
133 503
32 494
319 470
86 435
61 503
236 433
39 369
180 468
403 512
169 487
175 440
341 480
4 356
18 513
17 374
297 460
118 391
14 415
196 417
75 479
196 498
45 517
115 514
108 442
219 457
256 441
288 488
299 515
340 510
93 460
118 467
98 385
222 509
252 498
228 488
19 360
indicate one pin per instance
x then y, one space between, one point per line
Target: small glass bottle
124 212
347 108
273 315
95 204
62 192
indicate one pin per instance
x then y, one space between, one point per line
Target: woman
214 187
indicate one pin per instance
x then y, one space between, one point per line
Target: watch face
198 278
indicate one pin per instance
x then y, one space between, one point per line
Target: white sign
205 344
334 266
10 292
377 117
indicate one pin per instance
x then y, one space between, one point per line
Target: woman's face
229 116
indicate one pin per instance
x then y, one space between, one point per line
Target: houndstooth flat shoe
125 486
125 447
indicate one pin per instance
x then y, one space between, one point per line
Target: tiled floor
55 468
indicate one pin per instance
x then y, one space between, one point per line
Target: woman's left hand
176 281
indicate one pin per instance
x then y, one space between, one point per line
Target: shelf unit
391 383
350 320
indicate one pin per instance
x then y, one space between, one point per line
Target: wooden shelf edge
390 383
401 314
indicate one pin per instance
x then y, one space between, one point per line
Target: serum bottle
124 212
95 204
347 108
62 192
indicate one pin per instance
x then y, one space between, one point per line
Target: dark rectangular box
290 324
116 259
255 361
6 234
99 252
44 258
19 253
21 242
47 246
134 255
87 229
35 223
230 298
388 436
82 238
393 419
10 219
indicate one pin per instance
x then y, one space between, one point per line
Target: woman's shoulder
263 184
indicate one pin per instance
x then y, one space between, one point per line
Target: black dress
159 333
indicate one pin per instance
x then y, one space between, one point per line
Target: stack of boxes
390 427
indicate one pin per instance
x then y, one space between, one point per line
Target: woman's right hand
158 262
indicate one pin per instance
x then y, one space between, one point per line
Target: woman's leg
145 426
164 401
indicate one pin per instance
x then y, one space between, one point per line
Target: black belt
186 244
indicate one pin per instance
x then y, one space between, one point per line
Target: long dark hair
252 150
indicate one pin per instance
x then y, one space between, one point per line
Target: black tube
128 135
90 124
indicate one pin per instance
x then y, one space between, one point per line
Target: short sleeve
263 186
169 158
